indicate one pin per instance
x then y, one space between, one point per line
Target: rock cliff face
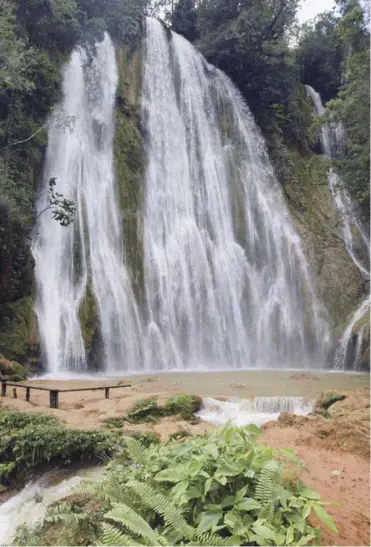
317 220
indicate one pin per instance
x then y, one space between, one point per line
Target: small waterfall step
256 411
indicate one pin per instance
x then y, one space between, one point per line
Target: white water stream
333 141
30 504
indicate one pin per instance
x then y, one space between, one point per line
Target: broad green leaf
309 494
305 540
171 475
180 489
253 429
241 493
195 468
212 450
250 473
227 469
323 515
248 504
221 479
290 535
234 540
193 493
263 531
306 510
208 520
228 435
207 485
300 525
226 502
181 449
232 518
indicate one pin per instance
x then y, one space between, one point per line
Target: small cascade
256 411
349 350
348 353
30 504
333 143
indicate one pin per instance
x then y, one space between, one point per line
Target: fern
171 514
267 482
136 451
63 513
113 536
129 518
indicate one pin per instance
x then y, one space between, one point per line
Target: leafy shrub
28 441
145 410
148 410
146 438
183 405
116 423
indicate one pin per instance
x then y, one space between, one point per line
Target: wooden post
3 388
28 394
107 392
54 398
14 393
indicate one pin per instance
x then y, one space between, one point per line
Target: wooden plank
107 392
27 394
14 393
24 386
3 389
92 388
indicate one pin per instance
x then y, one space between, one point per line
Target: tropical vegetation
221 489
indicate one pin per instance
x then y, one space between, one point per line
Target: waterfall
227 283
68 260
332 140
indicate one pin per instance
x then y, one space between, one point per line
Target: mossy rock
328 398
17 330
12 371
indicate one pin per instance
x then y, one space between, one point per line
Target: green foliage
146 438
28 441
63 210
249 41
144 410
183 405
222 489
12 371
184 19
319 55
148 410
352 108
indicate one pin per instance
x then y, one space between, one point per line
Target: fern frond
63 513
112 536
266 483
136 451
163 506
129 518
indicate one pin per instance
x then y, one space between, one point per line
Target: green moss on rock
88 317
18 330
11 370
129 160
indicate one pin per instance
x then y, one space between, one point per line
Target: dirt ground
335 450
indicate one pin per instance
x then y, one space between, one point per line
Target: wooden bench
54 393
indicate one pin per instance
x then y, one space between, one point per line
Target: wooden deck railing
54 393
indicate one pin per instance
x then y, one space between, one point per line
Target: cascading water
227 283
252 411
333 143
80 157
